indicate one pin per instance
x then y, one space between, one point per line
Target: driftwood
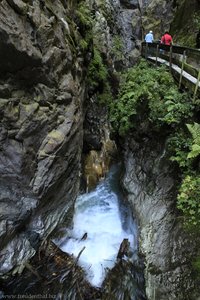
33 271
76 261
123 249
56 273
84 237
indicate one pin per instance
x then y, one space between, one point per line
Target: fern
188 199
178 145
194 129
145 91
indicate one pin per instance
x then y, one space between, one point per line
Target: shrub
97 73
178 145
188 199
117 47
84 15
153 90
85 24
195 132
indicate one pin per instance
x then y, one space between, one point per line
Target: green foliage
84 14
188 199
185 25
83 44
123 110
105 9
154 90
196 265
192 28
97 73
98 78
174 108
178 146
105 96
195 132
117 47
85 23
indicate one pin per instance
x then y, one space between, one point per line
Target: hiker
149 37
149 40
166 39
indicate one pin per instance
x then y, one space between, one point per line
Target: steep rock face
117 31
157 15
167 249
186 24
41 98
122 24
180 17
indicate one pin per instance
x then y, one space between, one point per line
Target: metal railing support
182 66
146 50
197 85
157 51
170 58
179 50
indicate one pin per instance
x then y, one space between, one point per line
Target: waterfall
101 222
103 241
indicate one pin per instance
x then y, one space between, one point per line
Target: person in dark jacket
166 39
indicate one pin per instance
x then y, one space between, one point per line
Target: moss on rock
186 24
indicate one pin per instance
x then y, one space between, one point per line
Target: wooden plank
187 72
187 67
177 69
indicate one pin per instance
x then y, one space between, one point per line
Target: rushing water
101 222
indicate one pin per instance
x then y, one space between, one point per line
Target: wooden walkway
184 63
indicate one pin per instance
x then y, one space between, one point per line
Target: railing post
143 50
157 49
170 58
146 50
182 66
196 87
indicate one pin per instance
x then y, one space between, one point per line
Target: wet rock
124 281
167 248
156 16
130 4
114 34
5 91
19 6
93 169
93 126
55 273
41 131
10 258
15 53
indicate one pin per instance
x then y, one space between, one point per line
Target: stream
85 263
101 222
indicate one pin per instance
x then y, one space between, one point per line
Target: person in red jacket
166 39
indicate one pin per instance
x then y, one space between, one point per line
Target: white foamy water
97 213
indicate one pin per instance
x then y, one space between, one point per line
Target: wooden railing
187 59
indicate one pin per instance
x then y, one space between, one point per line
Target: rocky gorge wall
42 87
167 248
42 109
42 90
